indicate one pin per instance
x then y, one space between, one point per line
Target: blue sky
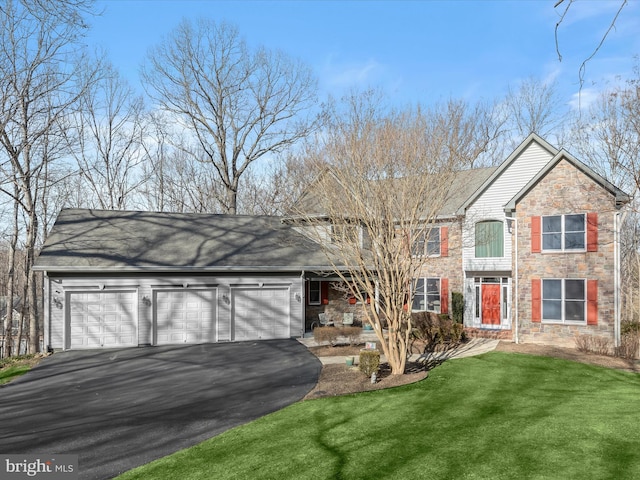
416 51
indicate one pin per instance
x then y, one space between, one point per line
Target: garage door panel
185 316
261 313
102 319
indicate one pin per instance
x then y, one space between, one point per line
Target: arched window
489 239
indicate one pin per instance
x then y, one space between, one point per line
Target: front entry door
490 304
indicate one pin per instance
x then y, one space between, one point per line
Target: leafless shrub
591 344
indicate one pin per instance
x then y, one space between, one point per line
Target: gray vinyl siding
490 206
57 318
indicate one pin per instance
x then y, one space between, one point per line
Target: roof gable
620 196
532 138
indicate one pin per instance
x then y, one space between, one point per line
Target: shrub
369 361
591 344
457 307
436 329
629 340
352 333
326 334
331 334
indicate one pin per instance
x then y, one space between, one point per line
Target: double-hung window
564 232
426 295
427 243
564 300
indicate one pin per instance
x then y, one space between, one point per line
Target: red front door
490 304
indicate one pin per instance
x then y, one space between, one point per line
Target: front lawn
13 367
498 415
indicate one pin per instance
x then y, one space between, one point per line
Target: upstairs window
427 243
346 233
489 239
564 232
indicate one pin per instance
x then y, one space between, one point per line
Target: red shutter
536 299
444 241
536 234
324 292
592 232
592 302
444 295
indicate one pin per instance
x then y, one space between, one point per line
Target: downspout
616 278
516 289
303 300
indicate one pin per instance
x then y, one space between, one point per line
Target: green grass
495 416
13 367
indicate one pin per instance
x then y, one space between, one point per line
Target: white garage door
185 316
261 313
103 319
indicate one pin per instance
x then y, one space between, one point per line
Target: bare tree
534 107
239 105
108 133
386 177
38 88
567 4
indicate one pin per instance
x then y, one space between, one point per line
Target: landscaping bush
457 307
332 334
326 334
629 340
591 344
435 329
369 361
352 333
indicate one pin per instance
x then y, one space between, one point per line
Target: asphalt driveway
118 409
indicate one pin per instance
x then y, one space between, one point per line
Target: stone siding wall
449 267
566 190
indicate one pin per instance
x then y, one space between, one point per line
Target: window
427 243
346 232
489 239
426 295
314 292
563 232
564 300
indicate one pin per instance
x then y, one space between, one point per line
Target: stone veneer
566 190
449 267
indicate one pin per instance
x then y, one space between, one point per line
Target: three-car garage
128 278
102 313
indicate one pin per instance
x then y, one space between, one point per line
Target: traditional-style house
532 246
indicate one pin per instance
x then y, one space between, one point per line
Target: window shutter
444 241
324 292
444 295
592 302
592 232
536 299
536 235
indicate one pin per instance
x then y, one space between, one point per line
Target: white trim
563 301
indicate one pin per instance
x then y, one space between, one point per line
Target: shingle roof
105 240
463 185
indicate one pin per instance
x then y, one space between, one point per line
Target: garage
260 313
102 319
185 316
